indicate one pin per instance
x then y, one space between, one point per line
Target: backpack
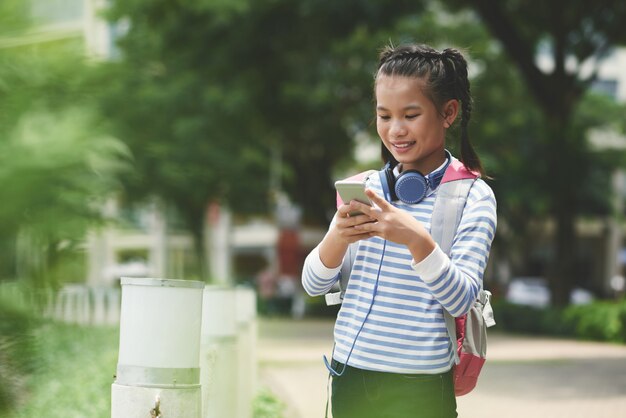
468 333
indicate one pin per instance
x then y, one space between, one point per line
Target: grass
73 371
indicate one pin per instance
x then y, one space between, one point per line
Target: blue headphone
410 186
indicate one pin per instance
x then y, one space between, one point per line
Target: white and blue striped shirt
405 331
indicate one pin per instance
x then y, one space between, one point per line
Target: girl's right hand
345 225
343 233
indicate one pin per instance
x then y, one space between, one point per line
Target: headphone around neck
410 186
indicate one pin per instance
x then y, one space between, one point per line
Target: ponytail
458 66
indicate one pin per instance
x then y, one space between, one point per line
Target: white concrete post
158 370
96 31
98 296
219 353
70 303
158 230
218 234
246 338
49 303
614 235
84 305
113 306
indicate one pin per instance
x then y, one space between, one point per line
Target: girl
392 355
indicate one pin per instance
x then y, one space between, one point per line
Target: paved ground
523 377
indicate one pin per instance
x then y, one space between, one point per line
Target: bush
267 406
602 321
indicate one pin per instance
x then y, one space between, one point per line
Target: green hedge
601 321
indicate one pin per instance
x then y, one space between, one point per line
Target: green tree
507 127
573 32
205 93
56 172
57 164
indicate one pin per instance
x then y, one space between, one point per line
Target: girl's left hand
395 225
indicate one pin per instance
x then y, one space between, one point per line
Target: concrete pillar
247 339
96 29
69 301
219 353
614 235
159 242
218 235
98 297
113 306
158 370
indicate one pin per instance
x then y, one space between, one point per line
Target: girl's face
409 124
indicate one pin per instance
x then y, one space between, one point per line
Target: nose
397 129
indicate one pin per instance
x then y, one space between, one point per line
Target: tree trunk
562 270
194 220
562 175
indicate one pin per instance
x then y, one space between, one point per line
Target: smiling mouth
403 145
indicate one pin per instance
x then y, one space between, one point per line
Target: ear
449 112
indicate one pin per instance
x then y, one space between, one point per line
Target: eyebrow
409 107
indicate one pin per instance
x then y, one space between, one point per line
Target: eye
384 117
412 116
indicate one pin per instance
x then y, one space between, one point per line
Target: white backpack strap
448 208
449 204
451 327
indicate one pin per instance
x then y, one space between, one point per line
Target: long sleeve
317 279
455 281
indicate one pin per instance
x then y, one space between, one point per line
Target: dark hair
445 75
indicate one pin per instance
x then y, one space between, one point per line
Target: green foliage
75 368
56 171
583 34
13 17
601 321
66 371
57 162
267 406
225 85
18 354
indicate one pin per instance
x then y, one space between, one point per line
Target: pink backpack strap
457 171
357 177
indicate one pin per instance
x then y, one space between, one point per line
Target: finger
352 221
352 234
367 228
365 209
376 199
344 210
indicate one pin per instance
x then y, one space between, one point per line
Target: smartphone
352 190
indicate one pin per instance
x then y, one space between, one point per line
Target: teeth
404 145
